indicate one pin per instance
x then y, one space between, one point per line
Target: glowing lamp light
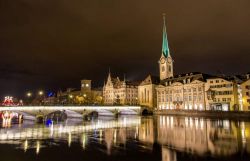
29 94
40 93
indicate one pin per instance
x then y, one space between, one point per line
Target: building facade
192 91
147 91
118 92
182 92
84 96
223 94
245 90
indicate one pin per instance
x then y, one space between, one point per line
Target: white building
191 91
182 92
120 92
245 90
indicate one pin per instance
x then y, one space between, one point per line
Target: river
127 138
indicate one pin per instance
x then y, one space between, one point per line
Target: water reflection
197 135
168 154
194 136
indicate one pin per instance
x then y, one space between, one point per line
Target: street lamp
29 100
29 94
40 93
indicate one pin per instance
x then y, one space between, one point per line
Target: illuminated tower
86 85
166 61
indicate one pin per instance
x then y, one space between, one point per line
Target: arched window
169 68
162 68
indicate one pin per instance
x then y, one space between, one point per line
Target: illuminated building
116 91
245 87
147 92
191 91
182 92
86 95
222 94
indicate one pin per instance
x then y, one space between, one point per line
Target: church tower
166 61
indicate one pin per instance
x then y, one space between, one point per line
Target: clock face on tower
162 60
169 60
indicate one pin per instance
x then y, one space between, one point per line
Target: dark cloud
54 43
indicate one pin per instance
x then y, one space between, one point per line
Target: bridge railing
30 108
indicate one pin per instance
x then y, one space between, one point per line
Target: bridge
64 112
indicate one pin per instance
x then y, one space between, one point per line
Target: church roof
165 48
150 80
191 76
203 77
117 83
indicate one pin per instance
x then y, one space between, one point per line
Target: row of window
122 95
128 100
221 86
122 91
222 100
180 91
216 81
186 98
223 92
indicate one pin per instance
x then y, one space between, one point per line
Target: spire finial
109 75
164 21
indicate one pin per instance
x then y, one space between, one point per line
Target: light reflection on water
174 135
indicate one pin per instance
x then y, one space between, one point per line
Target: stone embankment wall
214 114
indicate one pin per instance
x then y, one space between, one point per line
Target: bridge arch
25 116
127 112
146 111
98 112
62 115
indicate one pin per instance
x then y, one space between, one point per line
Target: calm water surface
159 138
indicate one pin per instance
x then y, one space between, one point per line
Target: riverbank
210 114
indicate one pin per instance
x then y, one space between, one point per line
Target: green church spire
165 49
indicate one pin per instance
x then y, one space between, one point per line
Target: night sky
53 44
